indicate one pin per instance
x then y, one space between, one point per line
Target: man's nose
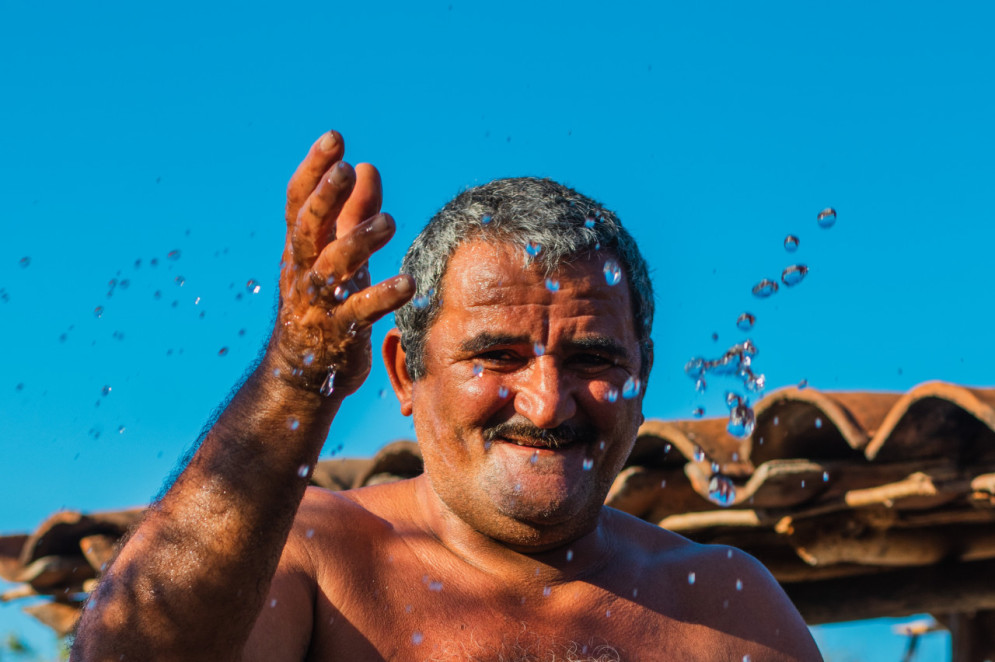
543 395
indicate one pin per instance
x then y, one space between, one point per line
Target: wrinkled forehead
488 274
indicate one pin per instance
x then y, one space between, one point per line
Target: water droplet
417 637
635 592
25 262
435 586
698 412
826 218
716 467
303 470
421 301
272 603
825 476
478 369
698 454
547 591
222 351
777 420
535 457
728 553
589 222
588 463
309 358
98 312
485 219
739 584
745 321
502 391
539 349
309 533
105 391
293 423
742 420
818 423
341 293
794 274
631 388
180 280
533 248
608 613
552 285
691 578
328 386
721 490
252 286
173 254
764 288
747 658
613 272
611 395
570 555
791 243
120 429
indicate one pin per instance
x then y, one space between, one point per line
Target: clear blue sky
129 130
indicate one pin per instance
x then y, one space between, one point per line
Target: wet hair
566 225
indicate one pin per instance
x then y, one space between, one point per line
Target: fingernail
402 284
328 142
340 173
379 223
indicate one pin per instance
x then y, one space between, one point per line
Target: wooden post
972 636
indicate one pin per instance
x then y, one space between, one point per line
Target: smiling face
519 415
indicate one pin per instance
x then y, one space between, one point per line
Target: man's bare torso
383 586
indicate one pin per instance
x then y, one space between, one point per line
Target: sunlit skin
487 555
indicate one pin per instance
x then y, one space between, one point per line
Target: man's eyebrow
487 340
603 344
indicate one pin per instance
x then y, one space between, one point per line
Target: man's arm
191 580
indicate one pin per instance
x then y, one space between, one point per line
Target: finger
342 258
325 151
315 224
365 200
366 307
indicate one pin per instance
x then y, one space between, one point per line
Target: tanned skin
501 550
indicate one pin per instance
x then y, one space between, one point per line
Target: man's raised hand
327 304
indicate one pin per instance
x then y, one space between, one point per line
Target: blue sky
130 130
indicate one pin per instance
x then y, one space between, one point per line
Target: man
533 312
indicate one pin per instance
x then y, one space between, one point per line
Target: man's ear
394 359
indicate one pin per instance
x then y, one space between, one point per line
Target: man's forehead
493 282
478 266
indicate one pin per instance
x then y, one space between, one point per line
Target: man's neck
576 557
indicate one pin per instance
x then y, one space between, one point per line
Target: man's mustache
562 435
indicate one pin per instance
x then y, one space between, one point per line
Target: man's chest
433 619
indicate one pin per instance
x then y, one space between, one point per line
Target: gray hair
522 210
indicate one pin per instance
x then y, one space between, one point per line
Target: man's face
520 413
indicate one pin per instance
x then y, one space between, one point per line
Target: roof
861 504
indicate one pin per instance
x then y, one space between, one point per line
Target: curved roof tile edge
962 396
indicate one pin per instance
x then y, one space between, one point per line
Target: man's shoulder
672 556
369 510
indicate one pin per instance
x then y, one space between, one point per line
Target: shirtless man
502 549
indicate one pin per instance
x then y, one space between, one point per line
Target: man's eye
591 361
497 356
